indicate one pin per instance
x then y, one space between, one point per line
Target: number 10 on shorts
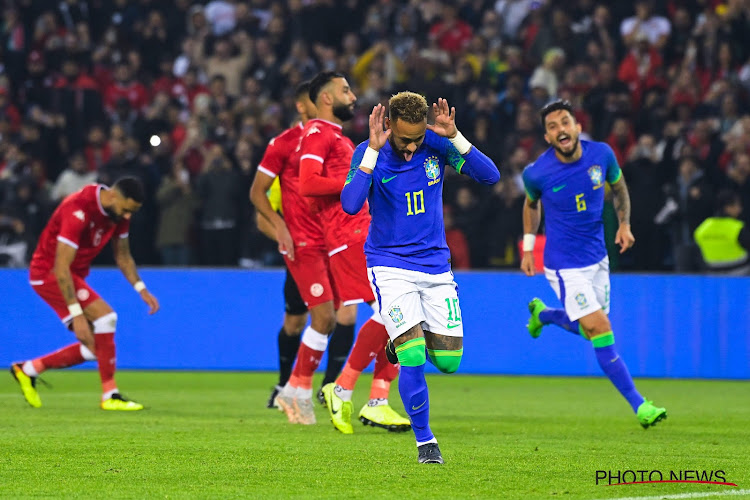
454 312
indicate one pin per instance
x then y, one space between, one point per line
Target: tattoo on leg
412 333
438 342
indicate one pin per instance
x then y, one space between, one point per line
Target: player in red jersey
78 230
325 155
266 195
300 239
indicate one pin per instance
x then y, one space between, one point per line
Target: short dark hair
321 80
302 89
725 198
130 188
560 104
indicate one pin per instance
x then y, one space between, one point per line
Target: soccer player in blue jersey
568 179
400 171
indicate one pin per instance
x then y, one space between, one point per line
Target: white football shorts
581 290
406 298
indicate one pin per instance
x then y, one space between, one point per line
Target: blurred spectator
459 247
219 189
224 62
506 200
177 204
451 33
547 74
644 24
723 239
72 178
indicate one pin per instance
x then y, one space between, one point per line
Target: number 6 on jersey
580 203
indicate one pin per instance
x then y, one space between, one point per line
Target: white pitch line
686 495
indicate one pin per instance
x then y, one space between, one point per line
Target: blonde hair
408 106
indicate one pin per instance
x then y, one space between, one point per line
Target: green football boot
385 417
649 415
27 384
118 403
535 325
339 410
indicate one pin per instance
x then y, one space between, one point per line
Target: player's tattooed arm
64 256
624 236
532 216
621 201
124 260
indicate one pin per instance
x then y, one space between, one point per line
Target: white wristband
139 286
528 242
370 158
460 143
75 309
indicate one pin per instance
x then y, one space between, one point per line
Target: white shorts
581 290
407 298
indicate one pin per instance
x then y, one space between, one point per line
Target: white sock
28 369
378 402
109 394
288 391
344 394
304 393
433 440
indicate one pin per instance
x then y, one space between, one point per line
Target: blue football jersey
406 205
572 195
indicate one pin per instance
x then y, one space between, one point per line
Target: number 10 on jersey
415 202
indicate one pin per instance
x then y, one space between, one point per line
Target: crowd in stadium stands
186 96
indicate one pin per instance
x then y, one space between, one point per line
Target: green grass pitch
209 435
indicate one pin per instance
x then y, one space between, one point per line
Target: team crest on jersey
396 315
78 214
582 302
595 174
432 169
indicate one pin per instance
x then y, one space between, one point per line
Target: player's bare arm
531 219
261 185
265 226
621 201
124 260
64 256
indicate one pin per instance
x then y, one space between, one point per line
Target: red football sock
308 360
62 358
385 373
371 340
105 356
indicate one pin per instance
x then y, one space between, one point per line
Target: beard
112 215
343 112
571 152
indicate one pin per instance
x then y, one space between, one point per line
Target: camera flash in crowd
155 140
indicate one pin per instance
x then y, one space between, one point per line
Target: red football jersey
81 222
325 157
282 158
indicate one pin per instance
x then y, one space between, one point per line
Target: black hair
321 80
302 89
131 188
725 198
560 104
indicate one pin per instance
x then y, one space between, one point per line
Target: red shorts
312 274
349 270
49 291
